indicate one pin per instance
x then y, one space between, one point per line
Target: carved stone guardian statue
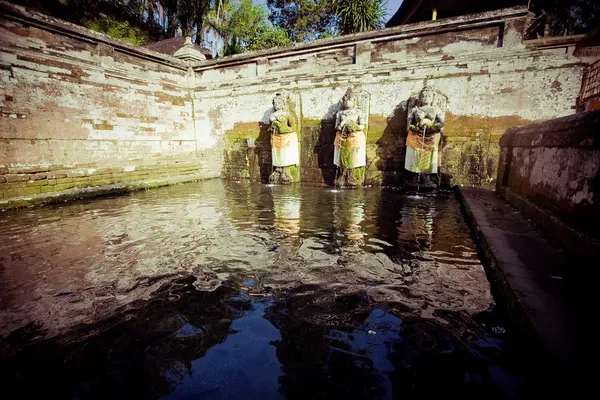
350 155
425 125
284 142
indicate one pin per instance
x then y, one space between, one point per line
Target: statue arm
361 122
441 118
292 121
338 121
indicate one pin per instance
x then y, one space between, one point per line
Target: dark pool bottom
225 344
230 291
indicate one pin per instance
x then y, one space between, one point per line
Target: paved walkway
536 277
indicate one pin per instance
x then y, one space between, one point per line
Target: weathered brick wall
79 107
86 110
493 78
556 165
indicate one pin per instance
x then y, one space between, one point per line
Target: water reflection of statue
284 142
350 154
287 214
348 215
425 125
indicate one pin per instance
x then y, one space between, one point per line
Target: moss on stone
377 125
293 171
470 125
357 175
240 132
311 123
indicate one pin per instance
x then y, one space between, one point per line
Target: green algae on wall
469 154
241 132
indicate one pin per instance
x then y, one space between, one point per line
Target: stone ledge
95 191
582 129
463 22
531 274
579 244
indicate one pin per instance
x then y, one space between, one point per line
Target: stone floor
536 277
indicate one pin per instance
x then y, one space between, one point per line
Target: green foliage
568 17
360 15
303 20
118 29
244 26
268 36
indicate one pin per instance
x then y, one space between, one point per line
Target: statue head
426 95
349 99
279 102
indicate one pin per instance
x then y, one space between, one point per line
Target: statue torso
345 116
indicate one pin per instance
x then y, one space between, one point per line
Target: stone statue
284 142
350 144
425 125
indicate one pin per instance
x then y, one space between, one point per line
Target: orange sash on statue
352 140
283 140
415 140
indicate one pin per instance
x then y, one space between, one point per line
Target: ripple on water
365 281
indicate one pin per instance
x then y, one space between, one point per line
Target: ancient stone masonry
72 99
556 165
79 109
493 78
550 171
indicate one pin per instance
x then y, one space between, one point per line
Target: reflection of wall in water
315 364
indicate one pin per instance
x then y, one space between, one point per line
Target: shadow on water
226 290
308 343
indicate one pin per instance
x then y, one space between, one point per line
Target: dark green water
220 290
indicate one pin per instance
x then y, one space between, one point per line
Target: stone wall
79 109
493 78
555 165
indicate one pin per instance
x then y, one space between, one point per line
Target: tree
268 36
118 29
360 15
245 26
568 17
303 20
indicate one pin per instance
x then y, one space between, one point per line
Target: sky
392 7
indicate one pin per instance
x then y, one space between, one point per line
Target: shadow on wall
259 157
390 146
247 151
326 142
316 150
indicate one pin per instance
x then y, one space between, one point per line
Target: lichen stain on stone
469 125
556 86
242 131
377 125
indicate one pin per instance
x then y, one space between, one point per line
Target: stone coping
96 191
581 246
533 276
582 128
34 18
463 22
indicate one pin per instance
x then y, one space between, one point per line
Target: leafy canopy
303 20
245 26
360 15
